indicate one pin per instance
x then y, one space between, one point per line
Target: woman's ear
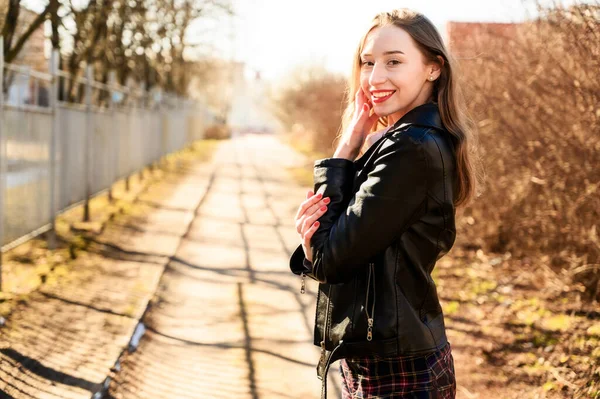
436 68
439 66
441 60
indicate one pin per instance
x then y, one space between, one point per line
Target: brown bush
310 107
534 90
217 132
536 99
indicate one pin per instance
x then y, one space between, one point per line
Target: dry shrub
534 90
536 98
310 108
217 132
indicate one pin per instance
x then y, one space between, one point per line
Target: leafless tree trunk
12 44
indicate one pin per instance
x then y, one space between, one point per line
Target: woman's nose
378 75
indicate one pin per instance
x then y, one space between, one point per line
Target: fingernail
317 223
327 200
319 195
323 208
365 107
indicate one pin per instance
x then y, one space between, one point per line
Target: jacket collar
425 115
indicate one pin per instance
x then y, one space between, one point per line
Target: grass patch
303 175
450 308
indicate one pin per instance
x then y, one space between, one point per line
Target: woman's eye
370 63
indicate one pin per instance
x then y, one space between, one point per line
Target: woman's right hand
306 219
354 137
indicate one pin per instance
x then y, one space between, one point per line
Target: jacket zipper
303 284
370 316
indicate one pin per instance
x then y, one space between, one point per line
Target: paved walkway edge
139 328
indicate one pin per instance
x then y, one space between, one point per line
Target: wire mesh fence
57 153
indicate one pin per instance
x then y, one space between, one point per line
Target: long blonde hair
446 93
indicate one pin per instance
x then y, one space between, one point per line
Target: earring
431 78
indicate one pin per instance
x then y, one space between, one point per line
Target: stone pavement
62 342
226 318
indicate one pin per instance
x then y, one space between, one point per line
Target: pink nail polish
323 208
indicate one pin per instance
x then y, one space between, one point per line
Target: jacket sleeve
340 174
299 264
358 226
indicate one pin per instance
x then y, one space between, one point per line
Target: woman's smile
379 96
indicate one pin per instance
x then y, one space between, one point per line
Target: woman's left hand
306 219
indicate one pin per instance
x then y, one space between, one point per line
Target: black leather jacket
391 217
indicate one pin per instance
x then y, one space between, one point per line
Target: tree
143 40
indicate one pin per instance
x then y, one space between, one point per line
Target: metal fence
54 154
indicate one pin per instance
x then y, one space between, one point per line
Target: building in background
250 102
23 88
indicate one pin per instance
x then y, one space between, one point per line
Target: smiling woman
374 227
394 79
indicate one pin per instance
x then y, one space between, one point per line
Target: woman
372 233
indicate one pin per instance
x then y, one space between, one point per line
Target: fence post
111 108
129 130
141 112
88 141
163 134
180 143
53 146
2 154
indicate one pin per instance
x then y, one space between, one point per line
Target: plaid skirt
428 376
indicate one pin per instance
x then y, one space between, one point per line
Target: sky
275 36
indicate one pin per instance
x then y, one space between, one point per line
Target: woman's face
394 75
